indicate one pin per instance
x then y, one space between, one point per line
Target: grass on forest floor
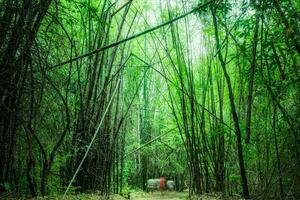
179 196
139 195
82 196
159 196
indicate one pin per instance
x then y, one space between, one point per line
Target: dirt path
159 196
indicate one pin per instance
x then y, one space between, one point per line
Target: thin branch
151 141
133 36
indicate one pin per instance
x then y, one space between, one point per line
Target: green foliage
6 186
171 87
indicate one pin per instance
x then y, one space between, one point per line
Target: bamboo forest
150 99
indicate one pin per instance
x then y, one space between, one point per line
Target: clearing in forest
160 196
177 196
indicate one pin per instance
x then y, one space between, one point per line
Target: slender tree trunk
16 38
44 178
30 166
251 79
277 154
233 111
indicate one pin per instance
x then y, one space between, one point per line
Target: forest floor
177 196
137 195
159 196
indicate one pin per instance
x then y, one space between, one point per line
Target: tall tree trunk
251 78
233 110
17 36
277 154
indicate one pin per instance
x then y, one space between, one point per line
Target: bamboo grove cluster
206 93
